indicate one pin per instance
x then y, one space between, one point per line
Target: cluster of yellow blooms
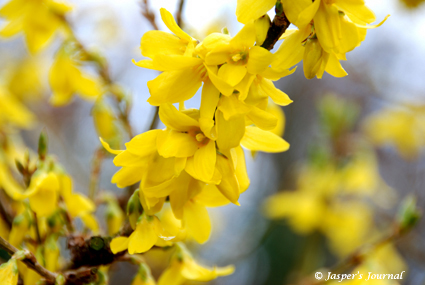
198 160
333 195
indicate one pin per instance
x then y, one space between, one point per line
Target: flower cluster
327 30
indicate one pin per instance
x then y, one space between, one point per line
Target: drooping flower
144 237
183 267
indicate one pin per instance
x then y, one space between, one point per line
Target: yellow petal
211 197
174 86
176 144
245 38
291 50
259 59
204 161
307 14
143 144
229 132
232 73
169 21
262 119
229 185
143 238
334 67
247 10
119 244
240 171
209 101
256 139
128 175
357 9
232 107
159 42
219 83
108 148
176 120
171 62
197 221
275 94
9 273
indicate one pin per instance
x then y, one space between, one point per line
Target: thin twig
148 14
37 228
103 71
29 261
5 210
99 155
179 14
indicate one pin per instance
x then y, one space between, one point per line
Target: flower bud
134 209
312 58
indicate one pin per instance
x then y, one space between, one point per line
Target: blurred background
375 115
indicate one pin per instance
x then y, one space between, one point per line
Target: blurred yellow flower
183 268
67 79
37 19
9 273
403 127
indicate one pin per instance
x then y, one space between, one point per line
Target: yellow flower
43 193
114 217
14 113
183 74
247 10
105 122
77 204
37 19
239 56
147 233
9 273
20 227
183 268
402 127
184 138
303 44
337 22
66 79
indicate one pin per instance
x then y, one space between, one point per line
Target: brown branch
148 14
91 251
5 210
279 25
29 261
179 14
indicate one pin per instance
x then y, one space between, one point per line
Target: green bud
20 167
408 214
42 145
225 31
134 209
60 280
97 243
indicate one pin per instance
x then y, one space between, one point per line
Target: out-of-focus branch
279 25
148 14
5 211
103 71
179 14
29 261
98 157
